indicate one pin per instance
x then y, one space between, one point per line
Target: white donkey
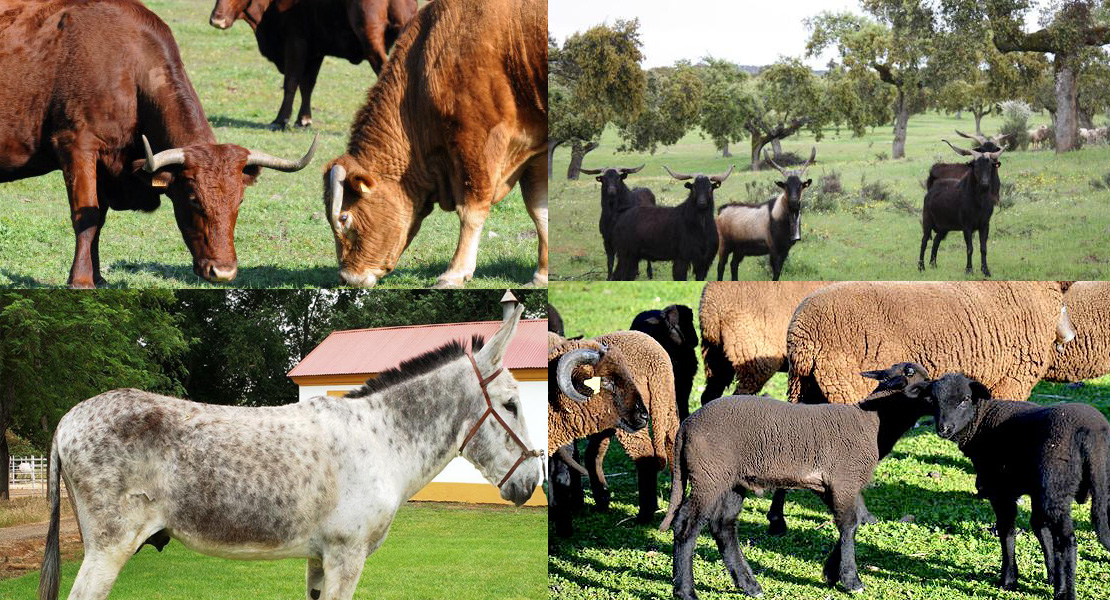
319 479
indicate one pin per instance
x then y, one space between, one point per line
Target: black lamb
673 328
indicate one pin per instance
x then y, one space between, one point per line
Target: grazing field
933 540
282 238
433 551
1053 224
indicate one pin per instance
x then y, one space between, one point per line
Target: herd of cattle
457 118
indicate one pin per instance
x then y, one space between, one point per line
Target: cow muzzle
216 273
365 279
220 21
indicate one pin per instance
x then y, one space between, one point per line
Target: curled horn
978 138
567 363
591 171
812 157
336 177
722 178
262 159
767 157
960 151
165 158
678 176
629 171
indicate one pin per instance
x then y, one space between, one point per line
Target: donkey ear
493 352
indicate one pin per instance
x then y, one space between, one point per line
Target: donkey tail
48 578
678 478
1098 472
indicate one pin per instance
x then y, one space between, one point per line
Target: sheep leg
1005 512
679 268
936 246
718 372
1040 528
983 232
647 477
967 242
1063 545
736 258
559 475
723 526
864 515
840 566
596 448
688 523
776 522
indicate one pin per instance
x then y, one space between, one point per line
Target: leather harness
525 453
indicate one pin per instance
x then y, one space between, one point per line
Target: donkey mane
417 366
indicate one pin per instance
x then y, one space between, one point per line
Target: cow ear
624 176
781 184
598 178
160 180
360 182
979 391
250 174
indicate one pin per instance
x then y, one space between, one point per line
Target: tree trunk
724 151
758 142
551 146
901 122
776 147
1066 104
4 458
578 151
978 121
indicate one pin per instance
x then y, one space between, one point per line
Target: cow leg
722 256
596 448
533 186
296 54
471 219
983 232
307 84
86 215
679 269
650 274
936 246
342 568
314 579
99 570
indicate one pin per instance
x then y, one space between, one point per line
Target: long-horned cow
458 117
82 87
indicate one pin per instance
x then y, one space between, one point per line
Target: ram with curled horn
616 197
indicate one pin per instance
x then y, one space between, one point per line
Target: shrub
1102 183
760 190
784 160
827 194
1016 124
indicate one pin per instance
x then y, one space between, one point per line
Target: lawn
1053 223
933 540
432 552
282 237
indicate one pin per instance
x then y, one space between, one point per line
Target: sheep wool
568 420
1088 355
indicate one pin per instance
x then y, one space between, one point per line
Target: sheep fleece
1088 355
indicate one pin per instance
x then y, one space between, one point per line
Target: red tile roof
366 351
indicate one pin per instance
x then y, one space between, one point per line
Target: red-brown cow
458 117
296 36
82 87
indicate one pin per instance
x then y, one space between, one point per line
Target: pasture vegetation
282 238
1053 223
934 538
433 551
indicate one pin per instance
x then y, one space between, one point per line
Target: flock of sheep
866 360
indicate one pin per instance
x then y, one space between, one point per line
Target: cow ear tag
362 187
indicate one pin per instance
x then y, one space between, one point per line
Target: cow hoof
82 285
986 273
448 283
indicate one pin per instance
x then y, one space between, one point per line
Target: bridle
525 452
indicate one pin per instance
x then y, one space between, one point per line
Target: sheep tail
678 479
1098 471
48 578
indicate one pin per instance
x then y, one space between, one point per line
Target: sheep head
907 378
956 399
617 383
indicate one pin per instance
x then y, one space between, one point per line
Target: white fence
27 475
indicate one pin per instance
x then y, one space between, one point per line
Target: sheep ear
879 375
918 390
653 320
979 391
671 314
781 184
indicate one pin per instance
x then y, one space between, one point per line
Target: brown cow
82 85
457 118
296 36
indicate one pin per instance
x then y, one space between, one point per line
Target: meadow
282 238
1053 223
433 551
934 539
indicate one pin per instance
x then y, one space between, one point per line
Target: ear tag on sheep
594 383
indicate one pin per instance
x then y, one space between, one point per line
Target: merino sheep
1001 332
673 328
649 450
616 197
743 332
721 453
1055 454
1088 356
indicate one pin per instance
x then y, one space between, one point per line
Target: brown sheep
1088 356
743 332
1000 332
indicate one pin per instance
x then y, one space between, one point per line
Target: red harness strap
525 453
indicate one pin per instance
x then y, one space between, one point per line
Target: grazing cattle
961 204
1038 136
458 117
768 228
82 87
296 35
616 198
957 170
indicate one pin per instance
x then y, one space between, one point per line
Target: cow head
792 185
226 12
206 183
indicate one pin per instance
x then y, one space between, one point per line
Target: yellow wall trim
472 493
360 378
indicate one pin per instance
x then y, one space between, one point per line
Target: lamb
1001 332
1062 457
673 328
743 332
769 228
721 452
1088 356
685 234
964 204
616 198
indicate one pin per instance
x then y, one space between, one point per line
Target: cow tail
48 578
678 478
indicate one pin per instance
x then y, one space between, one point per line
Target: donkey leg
314 579
98 572
342 568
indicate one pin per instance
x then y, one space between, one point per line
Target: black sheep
673 328
616 197
961 204
1055 454
685 234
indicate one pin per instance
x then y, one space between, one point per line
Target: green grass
282 237
431 552
947 551
1057 227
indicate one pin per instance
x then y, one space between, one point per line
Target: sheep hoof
853 587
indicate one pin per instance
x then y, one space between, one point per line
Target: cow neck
178 117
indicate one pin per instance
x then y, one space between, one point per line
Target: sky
741 31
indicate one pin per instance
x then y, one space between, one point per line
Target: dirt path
21 546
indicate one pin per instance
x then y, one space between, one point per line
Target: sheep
673 328
743 332
1061 458
1088 356
721 452
650 451
616 198
768 228
1039 136
965 204
999 332
685 234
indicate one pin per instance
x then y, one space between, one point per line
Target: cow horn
591 171
767 157
959 151
812 157
678 176
629 171
165 158
722 178
567 363
262 159
336 177
977 138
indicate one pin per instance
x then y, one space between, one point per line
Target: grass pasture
282 237
933 540
1053 223
433 551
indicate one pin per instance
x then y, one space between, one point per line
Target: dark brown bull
296 35
82 85
458 117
